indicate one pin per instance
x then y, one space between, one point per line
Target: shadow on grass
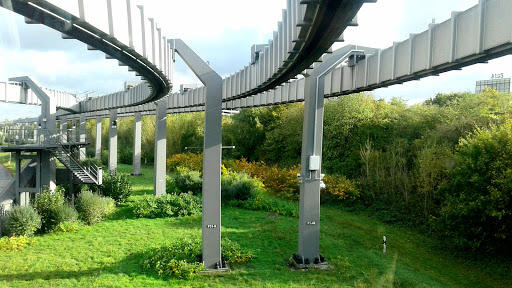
129 266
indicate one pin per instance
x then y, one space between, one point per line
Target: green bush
265 202
117 187
233 253
170 186
476 210
93 208
14 243
238 186
169 205
68 226
182 258
53 209
187 180
22 221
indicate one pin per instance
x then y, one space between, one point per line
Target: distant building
502 85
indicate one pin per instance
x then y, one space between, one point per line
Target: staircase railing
66 144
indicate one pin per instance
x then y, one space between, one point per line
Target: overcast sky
221 32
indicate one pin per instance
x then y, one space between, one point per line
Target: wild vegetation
398 163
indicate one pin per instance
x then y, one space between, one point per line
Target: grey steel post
48 121
76 127
311 159
137 140
160 147
211 225
112 142
98 138
82 135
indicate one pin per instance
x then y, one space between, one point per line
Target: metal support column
98 138
211 225
160 147
311 159
137 143
112 142
82 135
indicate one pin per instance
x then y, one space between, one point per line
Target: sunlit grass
108 254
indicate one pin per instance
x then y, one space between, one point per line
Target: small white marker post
384 244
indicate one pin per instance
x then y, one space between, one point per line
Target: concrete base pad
305 267
215 271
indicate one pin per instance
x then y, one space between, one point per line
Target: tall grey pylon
211 225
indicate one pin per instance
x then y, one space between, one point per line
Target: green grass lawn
108 254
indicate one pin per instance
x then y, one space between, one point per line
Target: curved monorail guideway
297 64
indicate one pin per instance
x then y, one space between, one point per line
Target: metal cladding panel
224 105
96 14
242 81
243 102
250 101
229 104
120 20
336 80
292 96
386 65
328 83
498 23
403 59
373 69
271 94
196 97
228 87
441 53
70 6
285 92
13 93
148 40
300 89
233 85
347 83
237 103
175 100
277 95
238 83
247 82
257 100
420 52
224 90
361 74
202 93
467 27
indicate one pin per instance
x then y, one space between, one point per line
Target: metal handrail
91 170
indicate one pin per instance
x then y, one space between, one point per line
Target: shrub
238 186
182 258
94 208
187 180
282 182
68 226
104 157
53 209
265 202
117 187
169 205
191 161
22 221
233 253
170 186
14 243
476 211
339 188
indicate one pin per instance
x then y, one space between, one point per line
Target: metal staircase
69 155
